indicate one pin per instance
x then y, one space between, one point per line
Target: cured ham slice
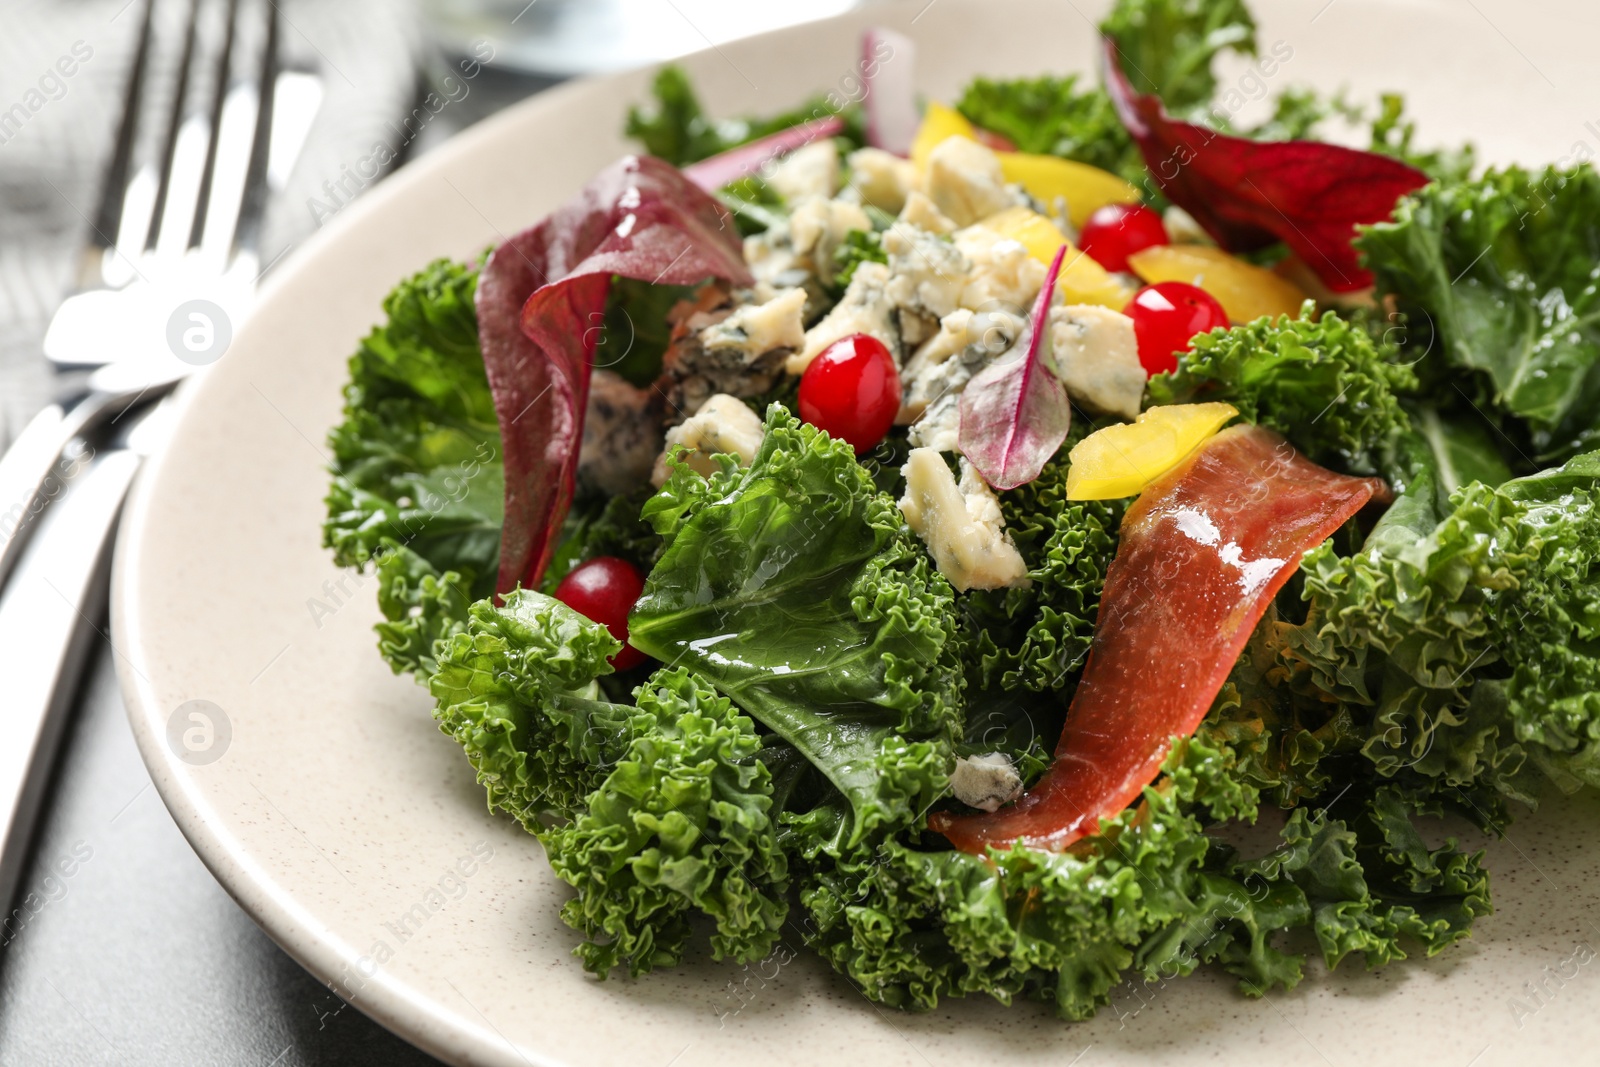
541 301
1202 553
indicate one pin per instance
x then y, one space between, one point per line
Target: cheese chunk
1096 356
927 273
985 782
817 227
755 329
864 308
964 179
723 424
771 257
1003 270
961 525
924 215
810 170
883 179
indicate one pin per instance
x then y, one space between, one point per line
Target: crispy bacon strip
1202 553
541 302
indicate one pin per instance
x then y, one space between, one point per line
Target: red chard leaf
1015 414
716 171
540 298
1251 194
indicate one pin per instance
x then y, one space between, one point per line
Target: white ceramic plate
352 830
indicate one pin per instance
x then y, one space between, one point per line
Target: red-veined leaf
713 172
1015 413
541 300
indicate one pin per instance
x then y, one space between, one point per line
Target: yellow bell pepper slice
1082 281
1119 461
1086 188
1245 291
1044 177
939 124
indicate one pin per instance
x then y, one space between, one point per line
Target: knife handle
51 611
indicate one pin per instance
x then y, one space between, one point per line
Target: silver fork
174 236
172 250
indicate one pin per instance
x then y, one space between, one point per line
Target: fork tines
187 176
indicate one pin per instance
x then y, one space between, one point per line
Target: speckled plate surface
352 830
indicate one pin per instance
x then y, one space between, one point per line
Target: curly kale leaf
1167 46
516 687
420 607
1287 744
1323 383
675 127
1393 134
417 483
794 587
682 823
1498 275
1038 637
1055 116
1466 642
1147 900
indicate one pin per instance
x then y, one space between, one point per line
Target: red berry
1166 316
1113 233
604 589
852 391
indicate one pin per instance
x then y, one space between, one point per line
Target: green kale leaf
1038 637
675 126
516 688
796 590
1147 900
1499 277
1167 46
1323 383
1393 134
1055 116
682 823
417 485
1464 643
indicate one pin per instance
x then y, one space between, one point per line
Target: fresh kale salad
930 531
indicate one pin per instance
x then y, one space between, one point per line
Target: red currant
1113 233
852 391
604 589
1166 316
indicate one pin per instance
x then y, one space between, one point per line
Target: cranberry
604 589
852 391
1113 233
1166 316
